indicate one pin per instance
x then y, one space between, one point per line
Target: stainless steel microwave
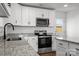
42 22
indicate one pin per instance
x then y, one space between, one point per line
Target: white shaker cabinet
17 14
1 22
51 18
32 16
25 18
42 13
53 43
73 49
45 13
28 16
8 8
15 17
33 41
61 48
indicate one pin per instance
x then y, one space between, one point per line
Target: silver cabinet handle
77 48
66 54
33 38
60 44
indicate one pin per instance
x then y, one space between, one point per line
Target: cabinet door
18 14
61 51
32 16
42 13
53 43
51 18
15 17
1 22
1 48
8 8
28 16
25 13
33 43
45 13
61 47
72 47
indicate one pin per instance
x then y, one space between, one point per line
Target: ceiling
57 6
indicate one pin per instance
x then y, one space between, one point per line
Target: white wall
73 25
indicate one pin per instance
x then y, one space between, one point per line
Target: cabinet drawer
62 44
74 46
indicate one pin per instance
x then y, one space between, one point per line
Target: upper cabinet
28 16
4 10
8 8
16 11
51 18
16 17
1 22
25 19
42 13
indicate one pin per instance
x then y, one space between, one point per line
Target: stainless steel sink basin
14 39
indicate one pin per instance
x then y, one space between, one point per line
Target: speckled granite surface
17 48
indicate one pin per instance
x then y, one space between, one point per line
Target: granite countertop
69 41
18 48
32 35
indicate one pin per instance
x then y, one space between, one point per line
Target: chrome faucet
5 29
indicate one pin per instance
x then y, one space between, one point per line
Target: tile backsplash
29 29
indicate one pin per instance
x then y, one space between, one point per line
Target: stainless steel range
44 41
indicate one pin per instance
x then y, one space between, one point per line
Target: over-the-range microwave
42 22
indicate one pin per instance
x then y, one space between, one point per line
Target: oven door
44 42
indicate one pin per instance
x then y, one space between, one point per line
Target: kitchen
42 29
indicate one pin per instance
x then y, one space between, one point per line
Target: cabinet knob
9 4
66 54
16 21
42 15
28 22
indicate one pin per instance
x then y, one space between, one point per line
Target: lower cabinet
1 48
61 51
73 49
61 48
53 43
33 42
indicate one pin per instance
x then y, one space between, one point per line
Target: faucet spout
5 29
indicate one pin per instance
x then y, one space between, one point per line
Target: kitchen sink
14 39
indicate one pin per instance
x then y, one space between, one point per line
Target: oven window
44 42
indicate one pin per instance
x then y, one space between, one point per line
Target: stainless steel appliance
44 41
42 22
